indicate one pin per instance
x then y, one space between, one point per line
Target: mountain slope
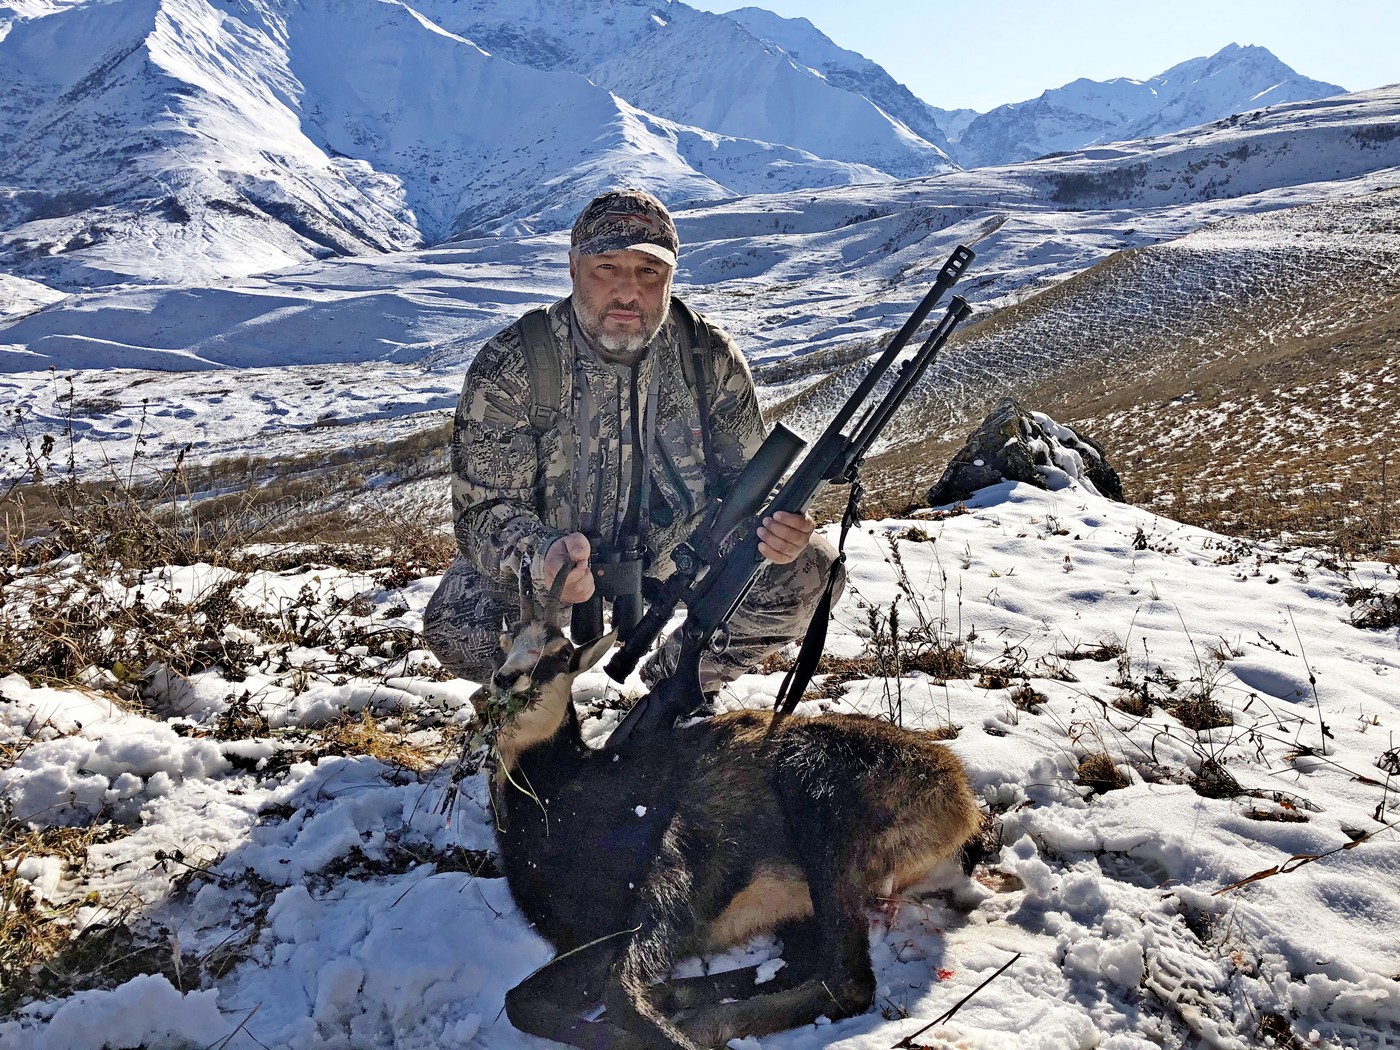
193 139
695 68
1087 112
1260 351
848 70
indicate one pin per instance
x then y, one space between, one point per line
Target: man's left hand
782 536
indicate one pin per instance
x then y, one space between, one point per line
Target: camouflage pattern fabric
515 491
625 219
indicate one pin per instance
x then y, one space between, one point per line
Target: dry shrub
1215 781
1101 653
1099 773
1275 1032
1373 608
1027 699
1136 702
1279 815
1201 713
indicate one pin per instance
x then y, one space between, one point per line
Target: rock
1013 444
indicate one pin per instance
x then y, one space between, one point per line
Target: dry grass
37 936
364 735
208 513
1099 773
1201 713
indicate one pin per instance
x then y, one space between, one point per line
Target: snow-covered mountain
803 280
700 69
192 139
1089 112
848 70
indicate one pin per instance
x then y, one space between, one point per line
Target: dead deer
628 862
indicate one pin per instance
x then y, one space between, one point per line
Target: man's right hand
574 549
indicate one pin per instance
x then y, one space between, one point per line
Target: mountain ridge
1087 112
191 140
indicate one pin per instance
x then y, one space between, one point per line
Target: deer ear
589 653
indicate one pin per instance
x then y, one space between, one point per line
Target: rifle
712 583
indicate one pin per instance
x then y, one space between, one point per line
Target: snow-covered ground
1243 885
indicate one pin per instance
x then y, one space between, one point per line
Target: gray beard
619 349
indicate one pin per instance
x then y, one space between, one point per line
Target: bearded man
592 437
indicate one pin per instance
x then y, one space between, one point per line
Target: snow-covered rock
1014 444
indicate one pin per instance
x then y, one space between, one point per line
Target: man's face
620 298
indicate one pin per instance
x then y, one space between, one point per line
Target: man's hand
578 585
782 536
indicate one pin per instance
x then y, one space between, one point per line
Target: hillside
1243 375
236 816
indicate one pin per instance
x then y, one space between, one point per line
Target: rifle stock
712 586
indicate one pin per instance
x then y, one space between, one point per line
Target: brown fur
628 862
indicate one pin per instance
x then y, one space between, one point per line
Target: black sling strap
799 676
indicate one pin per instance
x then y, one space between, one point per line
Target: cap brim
603 245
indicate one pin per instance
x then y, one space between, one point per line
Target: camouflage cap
623 219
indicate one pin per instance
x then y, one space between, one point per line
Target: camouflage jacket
515 490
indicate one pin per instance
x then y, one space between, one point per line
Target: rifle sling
799 676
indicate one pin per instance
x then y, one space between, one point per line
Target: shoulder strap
697 365
697 347
543 366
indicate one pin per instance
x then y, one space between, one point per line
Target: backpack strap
542 364
697 365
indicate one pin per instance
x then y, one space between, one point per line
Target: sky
999 51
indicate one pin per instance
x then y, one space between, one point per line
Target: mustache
618 304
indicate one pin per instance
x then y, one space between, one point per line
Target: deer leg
799 938
685 992
833 994
548 1002
667 925
830 959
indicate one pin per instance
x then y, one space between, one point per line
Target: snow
1114 901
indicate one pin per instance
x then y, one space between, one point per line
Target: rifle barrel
873 422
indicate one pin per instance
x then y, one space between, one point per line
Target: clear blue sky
983 53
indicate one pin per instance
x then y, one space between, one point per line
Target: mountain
805 281
704 70
195 139
847 70
1089 112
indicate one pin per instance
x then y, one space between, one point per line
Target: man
656 416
